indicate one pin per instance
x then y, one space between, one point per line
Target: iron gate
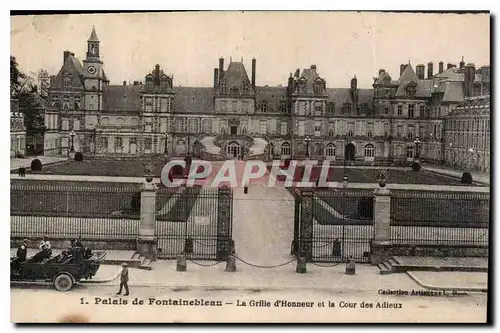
195 221
333 225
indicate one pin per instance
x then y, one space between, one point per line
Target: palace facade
236 118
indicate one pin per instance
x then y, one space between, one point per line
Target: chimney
470 74
221 68
66 55
402 68
254 62
216 77
313 67
124 83
380 71
420 71
354 83
450 65
354 92
462 63
297 73
430 70
441 67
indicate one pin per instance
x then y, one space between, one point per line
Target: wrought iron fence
75 209
440 217
188 222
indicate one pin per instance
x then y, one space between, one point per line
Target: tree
23 88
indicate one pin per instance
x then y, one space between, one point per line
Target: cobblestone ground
66 307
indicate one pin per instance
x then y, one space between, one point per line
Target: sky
188 45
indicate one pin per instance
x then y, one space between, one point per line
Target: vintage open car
62 270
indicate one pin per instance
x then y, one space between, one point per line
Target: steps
135 261
402 264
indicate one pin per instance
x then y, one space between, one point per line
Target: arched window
369 151
330 150
350 134
285 149
105 121
331 132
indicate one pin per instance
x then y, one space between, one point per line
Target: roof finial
93 35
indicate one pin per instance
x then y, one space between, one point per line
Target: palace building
235 118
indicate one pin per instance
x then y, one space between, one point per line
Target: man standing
22 251
123 280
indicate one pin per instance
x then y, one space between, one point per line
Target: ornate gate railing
333 225
195 221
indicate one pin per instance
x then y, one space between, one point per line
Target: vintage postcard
257 167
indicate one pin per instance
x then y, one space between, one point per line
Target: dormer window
363 108
263 107
282 106
245 88
330 108
411 89
235 90
67 81
346 108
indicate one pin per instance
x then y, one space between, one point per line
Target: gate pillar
381 245
306 225
224 219
146 242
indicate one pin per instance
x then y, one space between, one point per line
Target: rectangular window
65 125
400 110
422 111
193 125
148 104
263 127
369 130
147 126
386 110
76 124
317 128
301 128
411 110
283 128
104 144
318 107
148 143
118 144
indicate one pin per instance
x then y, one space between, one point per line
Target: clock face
91 70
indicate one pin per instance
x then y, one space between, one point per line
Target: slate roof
121 98
310 76
93 36
341 96
193 99
271 95
73 66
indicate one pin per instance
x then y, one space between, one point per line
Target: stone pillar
306 226
381 245
224 219
146 242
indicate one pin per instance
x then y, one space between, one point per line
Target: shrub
36 165
365 208
78 156
466 178
416 166
135 202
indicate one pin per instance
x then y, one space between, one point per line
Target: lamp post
307 140
417 150
72 136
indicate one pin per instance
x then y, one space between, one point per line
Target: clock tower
93 75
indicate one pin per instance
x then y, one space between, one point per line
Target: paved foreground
161 305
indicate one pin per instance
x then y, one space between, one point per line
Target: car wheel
63 282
